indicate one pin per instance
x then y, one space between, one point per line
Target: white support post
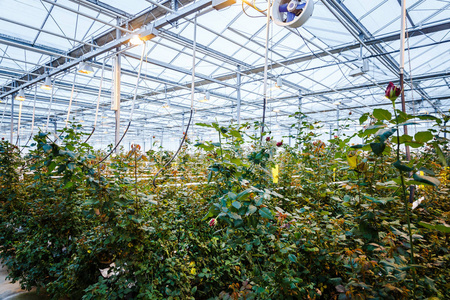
116 90
238 96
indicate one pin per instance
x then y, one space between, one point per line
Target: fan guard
292 13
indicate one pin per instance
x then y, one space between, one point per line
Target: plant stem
407 211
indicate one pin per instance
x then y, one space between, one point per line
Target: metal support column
402 68
12 119
337 120
116 82
238 95
299 129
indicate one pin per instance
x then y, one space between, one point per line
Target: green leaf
358 146
292 258
398 164
375 200
68 185
47 148
204 125
439 227
423 136
51 167
440 154
71 166
426 179
232 196
381 114
251 209
377 148
265 213
244 195
384 134
236 134
429 117
236 204
363 118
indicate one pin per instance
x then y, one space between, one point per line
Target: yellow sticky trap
275 174
334 174
421 173
352 161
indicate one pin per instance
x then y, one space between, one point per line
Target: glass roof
319 64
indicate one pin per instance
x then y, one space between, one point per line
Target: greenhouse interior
224 149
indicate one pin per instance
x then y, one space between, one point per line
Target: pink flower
392 91
268 138
213 222
279 144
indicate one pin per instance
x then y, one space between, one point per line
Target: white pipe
194 48
49 108
34 110
99 93
402 38
71 98
87 16
18 121
160 5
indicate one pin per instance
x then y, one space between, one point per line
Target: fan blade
301 6
283 7
290 17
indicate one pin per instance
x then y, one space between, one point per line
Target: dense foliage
335 222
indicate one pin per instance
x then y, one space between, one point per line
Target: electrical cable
243 9
194 49
132 107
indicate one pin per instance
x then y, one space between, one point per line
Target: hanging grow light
85 68
47 85
20 96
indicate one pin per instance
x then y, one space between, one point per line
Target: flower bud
392 92
268 139
279 144
213 222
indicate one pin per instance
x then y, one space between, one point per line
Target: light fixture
20 95
279 83
85 68
47 85
206 98
167 104
276 110
136 40
337 102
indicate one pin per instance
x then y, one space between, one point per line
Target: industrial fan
292 13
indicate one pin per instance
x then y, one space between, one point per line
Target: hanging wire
132 106
194 48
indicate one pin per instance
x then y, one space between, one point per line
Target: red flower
213 222
268 138
279 144
392 91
